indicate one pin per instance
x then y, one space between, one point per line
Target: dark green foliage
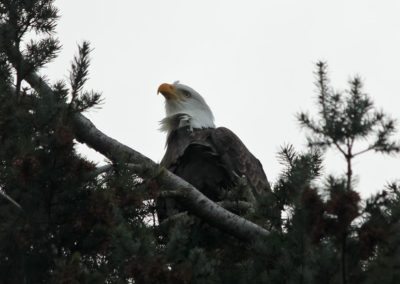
300 170
5 73
80 223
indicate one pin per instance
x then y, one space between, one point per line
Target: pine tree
68 222
64 219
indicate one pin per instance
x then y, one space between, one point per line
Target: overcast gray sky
253 62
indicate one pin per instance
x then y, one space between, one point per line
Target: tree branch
237 205
98 171
194 200
363 151
339 148
8 198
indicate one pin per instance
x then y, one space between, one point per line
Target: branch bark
194 200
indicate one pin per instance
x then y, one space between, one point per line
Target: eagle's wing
236 156
206 150
211 160
192 156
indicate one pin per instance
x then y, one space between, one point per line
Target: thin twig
100 170
12 201
364 151
339 148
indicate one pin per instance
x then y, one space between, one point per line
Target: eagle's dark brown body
211 159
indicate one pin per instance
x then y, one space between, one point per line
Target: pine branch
80 69
79 74
39 53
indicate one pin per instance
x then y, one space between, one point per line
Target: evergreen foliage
64 219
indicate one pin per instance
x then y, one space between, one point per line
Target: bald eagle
209 158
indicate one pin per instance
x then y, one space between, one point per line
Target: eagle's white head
184 107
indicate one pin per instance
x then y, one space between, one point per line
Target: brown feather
211 159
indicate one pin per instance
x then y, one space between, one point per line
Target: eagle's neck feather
178 120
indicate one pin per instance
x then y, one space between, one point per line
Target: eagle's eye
186 93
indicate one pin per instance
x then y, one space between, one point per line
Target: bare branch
170 193
12 201
173 219
339 148
363 151
237 205
98 171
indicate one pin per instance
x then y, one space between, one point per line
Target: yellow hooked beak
168 91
